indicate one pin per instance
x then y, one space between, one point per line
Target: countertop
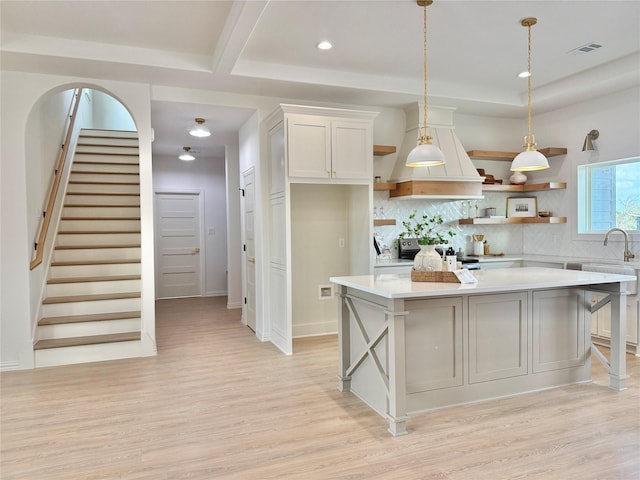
560 261
489 281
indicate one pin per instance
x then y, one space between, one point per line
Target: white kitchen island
409 347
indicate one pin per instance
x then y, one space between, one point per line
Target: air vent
586 48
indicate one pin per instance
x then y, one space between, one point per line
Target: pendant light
425 154
186 155
199 129
530 159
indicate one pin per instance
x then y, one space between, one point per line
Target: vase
427 259
518 178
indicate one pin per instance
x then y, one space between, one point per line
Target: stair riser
105 225
129 200
68 330
75 255
69 271
91 188
110 168
115 159
82 149
104 177
91 288
120 142
87 353
102 212
89 308
97 239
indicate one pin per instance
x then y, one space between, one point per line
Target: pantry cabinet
320 167
324 147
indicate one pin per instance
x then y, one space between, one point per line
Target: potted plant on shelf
430 233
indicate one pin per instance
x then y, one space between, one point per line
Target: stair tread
101 172
87 182
95 317
110 261
115 194
89 340
97 247
91 232
100 218
80 152
84 162
102 278
90 298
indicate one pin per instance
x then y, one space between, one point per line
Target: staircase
91 309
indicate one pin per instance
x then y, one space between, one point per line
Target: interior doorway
178 244
248 214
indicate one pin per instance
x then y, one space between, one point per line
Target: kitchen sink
617 269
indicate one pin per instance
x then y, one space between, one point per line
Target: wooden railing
57 177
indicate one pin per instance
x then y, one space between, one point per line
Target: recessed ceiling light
524 74
324 45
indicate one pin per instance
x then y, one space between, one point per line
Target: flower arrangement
426 229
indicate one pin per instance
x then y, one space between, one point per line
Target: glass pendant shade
530 159
425 155
186 155
199 129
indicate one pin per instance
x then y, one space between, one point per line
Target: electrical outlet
341 242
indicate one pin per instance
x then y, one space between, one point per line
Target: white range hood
456 179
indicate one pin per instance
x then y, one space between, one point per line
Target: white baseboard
315 329
231 306
219 293
12 365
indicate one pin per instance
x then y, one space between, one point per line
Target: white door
178 257
248 185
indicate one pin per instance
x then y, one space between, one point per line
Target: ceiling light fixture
530 159
425 154
186 155
199 129
324 45
588 140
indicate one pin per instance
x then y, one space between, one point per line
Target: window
609 196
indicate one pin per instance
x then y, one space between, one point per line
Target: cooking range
409 247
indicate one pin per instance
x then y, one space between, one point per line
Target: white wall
16 313
206 175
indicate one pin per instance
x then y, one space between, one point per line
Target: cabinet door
351 150
498 327
276 157
309 146
558 329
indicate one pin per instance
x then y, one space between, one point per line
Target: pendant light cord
424 30
529 84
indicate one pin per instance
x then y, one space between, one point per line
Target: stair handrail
45 220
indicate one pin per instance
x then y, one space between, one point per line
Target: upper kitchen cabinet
328 144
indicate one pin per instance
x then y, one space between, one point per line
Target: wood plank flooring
215 403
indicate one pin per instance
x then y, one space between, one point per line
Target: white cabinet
320 169
329 148
500 264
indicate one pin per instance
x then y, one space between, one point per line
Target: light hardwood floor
218 404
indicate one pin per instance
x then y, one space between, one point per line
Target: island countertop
489 281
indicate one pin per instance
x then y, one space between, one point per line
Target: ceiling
267 48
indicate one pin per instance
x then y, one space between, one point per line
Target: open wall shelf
534 187
510 220
509 156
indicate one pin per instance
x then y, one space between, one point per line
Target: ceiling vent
587 48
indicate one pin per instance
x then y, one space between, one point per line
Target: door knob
196 250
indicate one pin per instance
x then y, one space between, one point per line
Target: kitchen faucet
627 253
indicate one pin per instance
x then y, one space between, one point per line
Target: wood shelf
381 150
384 186
509 156
379 222
510 220
534 187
